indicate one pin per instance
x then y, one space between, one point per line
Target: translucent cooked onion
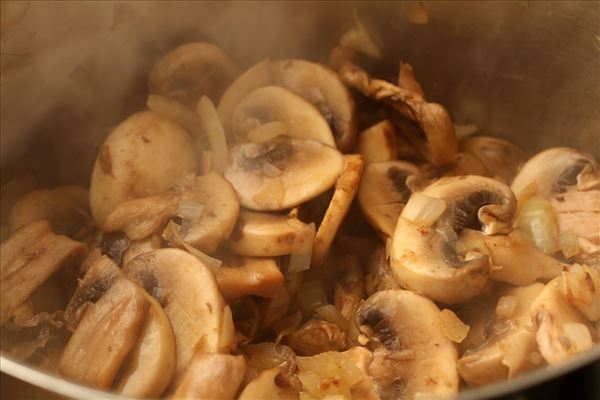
331 314
318 374
212 127
269 355
311 296
453 328
190 210
581 287
423 210
569 244
210 262
579 336
506 306
538 220
227 340
267 131
300 259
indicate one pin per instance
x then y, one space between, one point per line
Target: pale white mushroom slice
143 156
282 172
274 103
106 334
346 187
423 253
268 235
378 143
501 158
269 384
66 208
190 71
211 376
562 331
189 294
384 191
151 363
507 347
243 276
411 354
366 388
28 258
582 289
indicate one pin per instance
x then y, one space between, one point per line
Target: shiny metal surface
526 71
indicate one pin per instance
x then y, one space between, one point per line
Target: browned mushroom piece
269 384
316 337
501 159
243 276
66 208
440 145
379 273
105 335
378 143
29 257
191 71
315 83
423 253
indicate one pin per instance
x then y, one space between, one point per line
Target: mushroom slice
138 247
384 191
64 207
269 384
467 164
440 145
211 376
316 337
582 289
365 389
555 171
515 259
268 235
501 158
349 291
411 353
343 195
190 71
188 292
249 276
423 254
151 363
28 258
379 273
274 103
562 331
107 332
509 347
378 143
143 156
282 172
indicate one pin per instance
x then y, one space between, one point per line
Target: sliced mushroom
366 388
384 191
249 276
501 158
314 82
282 172
379 273
562 331
349 290
509 347
107 332
143 156
423 254
316 337
515 259
440 145
467 164
211 376
343 195
555 171
188 292
138 247
411 353
191 71
29 257
64 207
269 384
151 363
267 355
582 289
378 143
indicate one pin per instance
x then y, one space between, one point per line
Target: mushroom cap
275 103
282 172
407 323
188 291
144 155
424 258
500 157
190 71
314 82
554 170
383 192
268 385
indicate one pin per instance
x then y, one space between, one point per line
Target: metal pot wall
526 71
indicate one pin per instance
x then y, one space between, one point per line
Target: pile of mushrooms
248 236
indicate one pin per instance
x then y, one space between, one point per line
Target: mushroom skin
143 156
424 258
316 337
411 354
502 159
269 384
190 71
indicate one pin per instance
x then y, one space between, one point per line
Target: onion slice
423 210
212 127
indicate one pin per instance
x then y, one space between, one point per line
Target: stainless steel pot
526 71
